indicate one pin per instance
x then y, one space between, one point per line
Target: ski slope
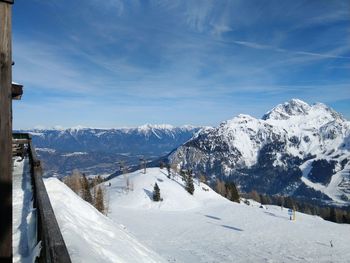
208 228
91 236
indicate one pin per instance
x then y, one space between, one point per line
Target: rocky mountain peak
284 111
296 149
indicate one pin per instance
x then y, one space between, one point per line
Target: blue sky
116 63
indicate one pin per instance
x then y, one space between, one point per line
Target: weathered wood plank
5 133
20 141
54 248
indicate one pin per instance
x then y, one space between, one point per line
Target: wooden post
5 132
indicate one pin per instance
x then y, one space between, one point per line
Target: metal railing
53 249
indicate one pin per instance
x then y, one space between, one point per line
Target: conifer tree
99 203
189 184
263 199
161 164
86 194
289 202
156 193
231 192
169 171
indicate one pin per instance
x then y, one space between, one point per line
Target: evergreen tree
161 164
183 174
289 202
86 194
99 203
335 215
265 199
231 192
169 171
189 184
156 193
325 212
280 201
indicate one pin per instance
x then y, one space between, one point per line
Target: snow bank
89 235
24 216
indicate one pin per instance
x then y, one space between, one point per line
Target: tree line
330 213
185 175
89 190
225 189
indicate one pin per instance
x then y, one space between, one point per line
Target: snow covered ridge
146 128
295 149
122 139
105 146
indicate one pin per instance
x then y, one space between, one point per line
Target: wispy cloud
332 54
177 61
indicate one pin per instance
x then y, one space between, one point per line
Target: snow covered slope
89 235
208 228
175 198
295 149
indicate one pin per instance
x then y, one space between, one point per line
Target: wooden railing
54 249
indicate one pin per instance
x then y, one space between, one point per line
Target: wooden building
6 129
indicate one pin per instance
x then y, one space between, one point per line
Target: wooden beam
20 141
17 91
54 249
5 132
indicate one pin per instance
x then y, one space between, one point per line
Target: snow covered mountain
156 139
295 149
96 151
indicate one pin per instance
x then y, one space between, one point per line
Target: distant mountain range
96 151
295 149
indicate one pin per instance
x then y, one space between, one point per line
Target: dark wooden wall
5 132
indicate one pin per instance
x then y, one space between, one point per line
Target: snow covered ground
91 236
204 227
24 217
208 228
